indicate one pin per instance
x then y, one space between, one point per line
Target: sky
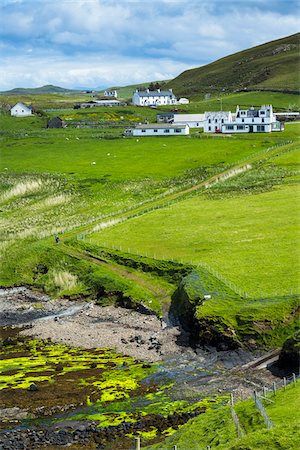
104 43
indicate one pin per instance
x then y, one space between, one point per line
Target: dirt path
156 203
161 294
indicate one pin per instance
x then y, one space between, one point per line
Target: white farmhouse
214 120
253 120
112 93
192 120
158 129
21 110
154 98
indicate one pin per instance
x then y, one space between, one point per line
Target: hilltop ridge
270 66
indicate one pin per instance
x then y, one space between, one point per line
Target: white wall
161 131
192 120
20 111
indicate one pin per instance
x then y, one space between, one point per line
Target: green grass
249 242
280 102
216 429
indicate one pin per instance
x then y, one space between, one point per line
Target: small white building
192 120
214 120
112 93
253 120
158 129
183 101
21 110
154 98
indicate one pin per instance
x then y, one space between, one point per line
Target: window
166 131
209 121
143 131
229 127
155 131
240 127
252 120
243 120
262 120
222 121
216 120
177 130
260 128
209 128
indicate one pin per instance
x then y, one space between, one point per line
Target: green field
250 241
242 231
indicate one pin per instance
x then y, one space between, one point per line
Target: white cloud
102 72
107 39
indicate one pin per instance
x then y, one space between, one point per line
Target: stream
55 393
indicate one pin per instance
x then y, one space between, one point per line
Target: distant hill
48 89
271 66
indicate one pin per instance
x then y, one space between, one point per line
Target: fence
258 404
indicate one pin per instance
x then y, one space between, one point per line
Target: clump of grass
23 188
64 280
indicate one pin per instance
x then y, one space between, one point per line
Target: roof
217 114
157 126
23 106
165 114
155 94
191 117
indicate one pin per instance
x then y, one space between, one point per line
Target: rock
289 357
33 388
59 367
93 365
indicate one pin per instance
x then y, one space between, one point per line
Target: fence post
294 379
231 399
274 388
137 443
264 391
284 383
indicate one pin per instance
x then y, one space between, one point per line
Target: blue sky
93 43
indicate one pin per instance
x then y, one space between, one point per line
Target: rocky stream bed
83 376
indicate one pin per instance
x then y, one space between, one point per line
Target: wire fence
259 397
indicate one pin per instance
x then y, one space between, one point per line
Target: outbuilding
192 120
159 129
55 122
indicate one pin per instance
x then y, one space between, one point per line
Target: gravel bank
87 325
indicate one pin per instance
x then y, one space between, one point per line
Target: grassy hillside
274 65
216 428
73 180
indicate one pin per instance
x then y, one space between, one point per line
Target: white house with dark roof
158 129
21 110
252 120
112 93
154 98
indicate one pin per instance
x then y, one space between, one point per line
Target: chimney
158 90
171 90
147 90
